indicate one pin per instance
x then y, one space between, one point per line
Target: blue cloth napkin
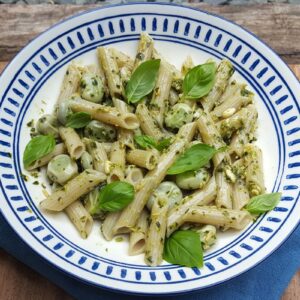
266 281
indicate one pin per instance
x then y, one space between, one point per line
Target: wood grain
18 281
276 24
280 27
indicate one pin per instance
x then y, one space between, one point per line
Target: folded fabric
266 281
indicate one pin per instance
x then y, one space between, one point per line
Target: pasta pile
151 151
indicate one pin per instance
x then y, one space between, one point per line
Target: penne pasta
223 74
108 224
133 174
240 98
201 197
254 171
224 190
98 154
144 51
187 65
70 83
156 233
173 97
240 194
111 71
105 114
73 190
125 136
231 89
58 149
246 134
147 123
122 59
72 141
117 163
161 93
107 147
210 135
142 158
137 239
80 217
221 217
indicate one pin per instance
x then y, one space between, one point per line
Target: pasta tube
254 171
117 162
147 123
73 190
133 174
224 72
211 135
240 194
144 51
125 136
122 59
58 149
98 154
187 65
224 190
111 72
246 133
106 114
108 224
161 93
240 98
70 83
80 217
225 218
137 238
234 122
156 233
72 141
142 158
201 197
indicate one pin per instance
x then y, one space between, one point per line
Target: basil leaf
163 144
142 81
78 120
199 81
184 248
146 142
263 203
193 159
115 196
38 147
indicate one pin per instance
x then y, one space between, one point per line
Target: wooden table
277 24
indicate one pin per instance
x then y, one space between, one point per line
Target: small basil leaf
115 196
199 81
263 203
37 148
145 141
184 248
193 159
142 81
78 120
163 144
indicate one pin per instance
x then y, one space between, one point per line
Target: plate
30 86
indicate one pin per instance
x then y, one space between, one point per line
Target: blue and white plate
30 85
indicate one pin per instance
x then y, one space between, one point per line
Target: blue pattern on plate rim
256 69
